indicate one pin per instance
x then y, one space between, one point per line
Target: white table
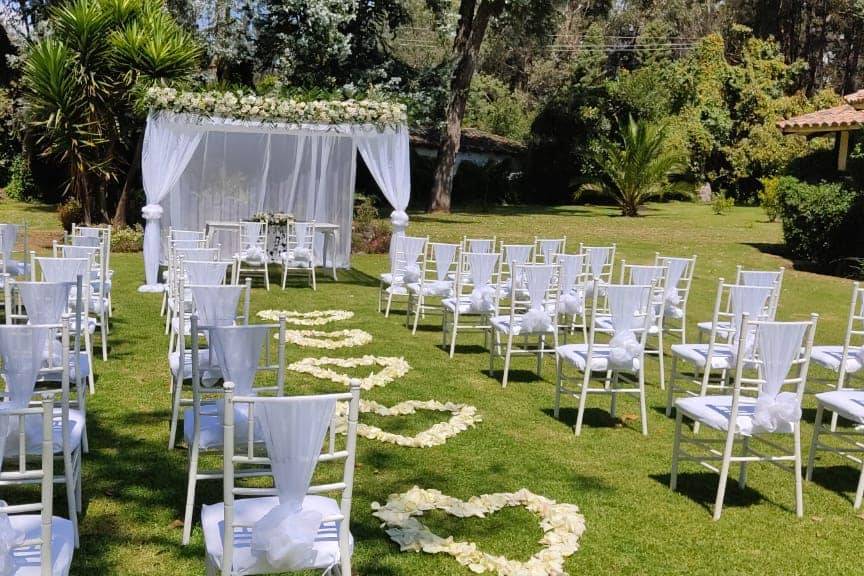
331 243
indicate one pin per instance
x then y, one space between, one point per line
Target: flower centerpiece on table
272 218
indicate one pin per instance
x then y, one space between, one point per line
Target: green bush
127 239
70 212
769 198
822 223
721 203
370 234
21 184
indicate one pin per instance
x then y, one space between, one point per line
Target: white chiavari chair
404 270
290 527
299 258
437 280
765 278
764 405
573 284
679 278
475 297
253 258
533 317
623 355
547 250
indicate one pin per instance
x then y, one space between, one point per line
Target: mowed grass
135 489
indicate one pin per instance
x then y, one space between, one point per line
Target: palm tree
79 84
642 167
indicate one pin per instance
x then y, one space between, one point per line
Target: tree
79 87
475 17
642 167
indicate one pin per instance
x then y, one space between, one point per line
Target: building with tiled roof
840 120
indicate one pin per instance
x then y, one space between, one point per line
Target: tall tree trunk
853 56
469 37
119 219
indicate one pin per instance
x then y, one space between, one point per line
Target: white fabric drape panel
168 147
22 349
293 433
388 159
779 345
44 302
625 304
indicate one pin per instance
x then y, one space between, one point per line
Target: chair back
187 235
534 297
409 251
679 277
14 425
253 235
572 283
479 245
513 255
547 250
294 430
775 371
769 278
600 261
439 270
477 278
629 308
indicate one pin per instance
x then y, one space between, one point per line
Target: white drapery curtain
216 169
387 157
168 146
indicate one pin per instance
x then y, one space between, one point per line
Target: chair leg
190 491
661 357
557 386
671 387
88 349
817 428
507 354
314 280
742 474
420 304
389 303
799 481
453 335
267 276
69 477
643 409
676 445
724 475
541 347
859 492
583 395
176 394
164 303
103 333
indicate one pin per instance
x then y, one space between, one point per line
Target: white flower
392 368
315 318
562 525
327 340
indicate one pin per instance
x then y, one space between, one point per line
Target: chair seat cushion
847 403
26 561
56 373
463 303
207 371
722 356
34 433
577 355
292 260
443 288
502 324
604 324
212 434
247 511
831 356
715 412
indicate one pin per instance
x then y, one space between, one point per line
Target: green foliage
127 239
370 234
721 203
70 212
822 223
638 168
769 198
79 84
21 184
9 145
494 108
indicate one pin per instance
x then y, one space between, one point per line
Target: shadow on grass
840 479
593 418
701 488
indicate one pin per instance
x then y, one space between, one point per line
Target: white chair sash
480 246
64 269
197 254
44 302
303 241
408 252
675 268
216 305
79 251
293 433
778 346
759 277
549 249
8 237
87 241
238 349
626 306
748 300
516 254
572 295
444 255
645 275
537 280
205 272
597 258
480 269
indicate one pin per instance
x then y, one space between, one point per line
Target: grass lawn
134 488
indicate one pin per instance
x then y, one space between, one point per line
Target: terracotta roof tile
856 99
843 116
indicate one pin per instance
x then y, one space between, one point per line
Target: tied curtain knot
399 219
152 212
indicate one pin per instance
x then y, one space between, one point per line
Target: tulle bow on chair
778 347
537 281
482 297
625 305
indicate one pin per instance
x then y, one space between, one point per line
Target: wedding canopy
200 168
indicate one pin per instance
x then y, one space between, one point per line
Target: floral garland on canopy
314 318
392 368
463 417
327 340
562 525
244 106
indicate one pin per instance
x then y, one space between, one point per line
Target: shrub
370 235
822 223
127 239
769 198
721 203
21 184
70 212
